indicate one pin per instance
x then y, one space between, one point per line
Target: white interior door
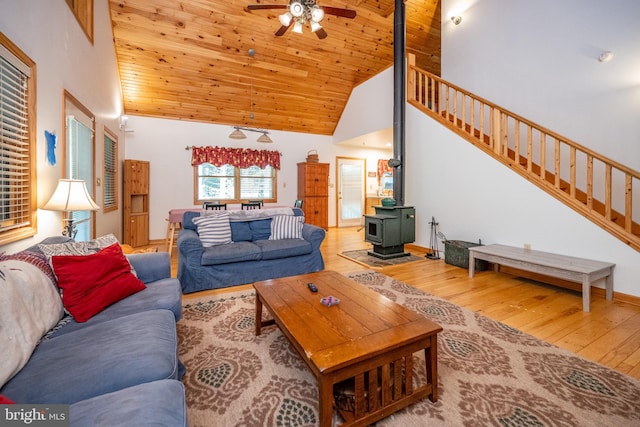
351 189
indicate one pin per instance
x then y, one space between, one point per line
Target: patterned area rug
362 257
488 373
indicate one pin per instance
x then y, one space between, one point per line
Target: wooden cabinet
136 203
313 190
369 203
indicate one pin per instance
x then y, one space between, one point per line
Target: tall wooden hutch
136 203
313 190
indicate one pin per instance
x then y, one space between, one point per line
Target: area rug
488 373
363 258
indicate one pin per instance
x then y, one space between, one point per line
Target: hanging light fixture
238 130
237 133
264 138
302 12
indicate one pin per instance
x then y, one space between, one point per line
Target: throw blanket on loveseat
29 306
255 214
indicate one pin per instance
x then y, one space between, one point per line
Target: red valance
384 167
239 157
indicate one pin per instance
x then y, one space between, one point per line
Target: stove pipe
399 99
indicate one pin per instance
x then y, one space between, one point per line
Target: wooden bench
579 270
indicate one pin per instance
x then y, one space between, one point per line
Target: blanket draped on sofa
29 307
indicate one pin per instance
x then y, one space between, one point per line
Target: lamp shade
237 134
71 195
264 138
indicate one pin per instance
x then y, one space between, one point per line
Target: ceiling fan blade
266 6
321 33
338 11
283 29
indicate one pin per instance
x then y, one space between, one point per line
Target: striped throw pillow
214 230
286 227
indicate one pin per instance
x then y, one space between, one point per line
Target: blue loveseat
119 368
251 256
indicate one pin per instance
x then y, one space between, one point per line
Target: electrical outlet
527 246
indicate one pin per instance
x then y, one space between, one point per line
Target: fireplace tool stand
433 241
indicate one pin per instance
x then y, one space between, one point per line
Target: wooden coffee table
367 338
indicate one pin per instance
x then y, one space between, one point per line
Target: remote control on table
312 287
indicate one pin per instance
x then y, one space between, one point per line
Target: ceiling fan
300 12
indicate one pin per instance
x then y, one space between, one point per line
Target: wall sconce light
605 56
456 19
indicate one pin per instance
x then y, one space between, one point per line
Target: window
79 149
232 184
83 11
17 144
110 172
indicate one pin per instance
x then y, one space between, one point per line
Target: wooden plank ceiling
190 59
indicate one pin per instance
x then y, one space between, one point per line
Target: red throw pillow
91 283
6 401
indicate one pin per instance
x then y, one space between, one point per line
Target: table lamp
71 195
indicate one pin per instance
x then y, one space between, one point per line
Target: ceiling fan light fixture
237 134
285 19
264 138
296 9
317 13
315 26
297 27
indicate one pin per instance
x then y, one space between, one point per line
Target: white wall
370 108
540 60
473 197
162 142
544 68
49 34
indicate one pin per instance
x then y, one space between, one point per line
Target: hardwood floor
609 334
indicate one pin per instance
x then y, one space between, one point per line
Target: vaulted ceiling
190 59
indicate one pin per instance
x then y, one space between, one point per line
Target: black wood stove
389 229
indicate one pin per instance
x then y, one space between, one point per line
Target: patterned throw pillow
286 227
214 230
79 248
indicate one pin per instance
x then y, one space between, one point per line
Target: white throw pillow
286 227
214 229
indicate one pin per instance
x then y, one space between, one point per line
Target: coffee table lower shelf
385 376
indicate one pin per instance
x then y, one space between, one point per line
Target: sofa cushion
90 283
260 229
99 359
161 294
286 227
158 403
234 252
214 229
240 232
274 249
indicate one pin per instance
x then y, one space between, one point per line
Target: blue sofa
251 257
119 368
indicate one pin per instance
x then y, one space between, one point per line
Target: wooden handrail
597 187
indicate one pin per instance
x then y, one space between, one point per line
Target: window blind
110 171
15 147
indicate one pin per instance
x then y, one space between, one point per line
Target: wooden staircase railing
597 187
